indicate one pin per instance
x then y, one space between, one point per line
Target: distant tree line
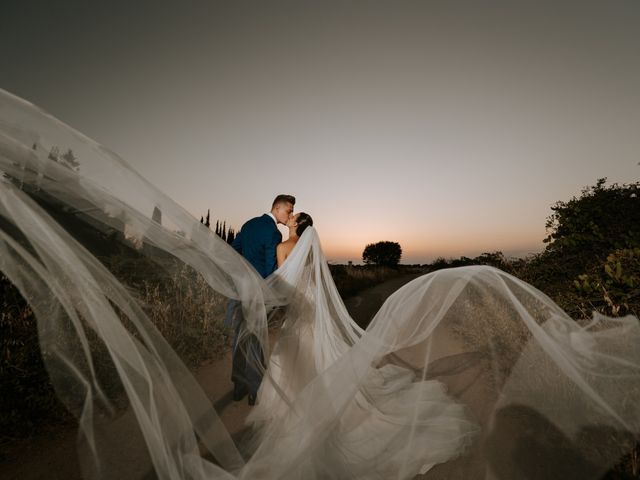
67 159
221 228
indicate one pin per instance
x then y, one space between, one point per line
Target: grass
188 313
181 305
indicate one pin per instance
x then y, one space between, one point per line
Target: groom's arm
271 262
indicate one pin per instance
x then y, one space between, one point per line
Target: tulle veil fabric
467 369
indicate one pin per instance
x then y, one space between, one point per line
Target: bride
390 402
462 373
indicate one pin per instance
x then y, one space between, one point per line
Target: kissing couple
260 243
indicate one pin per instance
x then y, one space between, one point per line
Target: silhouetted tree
382 253
221 228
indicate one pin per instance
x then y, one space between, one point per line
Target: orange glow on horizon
424 249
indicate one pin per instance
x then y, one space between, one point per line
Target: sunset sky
448 126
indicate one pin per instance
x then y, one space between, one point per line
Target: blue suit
257 242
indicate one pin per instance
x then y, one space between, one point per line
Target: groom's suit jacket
257 242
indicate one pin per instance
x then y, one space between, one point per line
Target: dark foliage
591 261
603 219
385 254
494 259
28 398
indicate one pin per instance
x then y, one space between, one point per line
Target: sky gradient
450 127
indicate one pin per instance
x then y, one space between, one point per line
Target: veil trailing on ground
467 369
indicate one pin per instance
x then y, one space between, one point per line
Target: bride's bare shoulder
285 246
282 251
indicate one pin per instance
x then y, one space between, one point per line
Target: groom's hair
284 199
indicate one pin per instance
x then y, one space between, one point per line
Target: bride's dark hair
304 220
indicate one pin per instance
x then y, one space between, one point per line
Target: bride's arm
281 254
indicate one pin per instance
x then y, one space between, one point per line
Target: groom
257 242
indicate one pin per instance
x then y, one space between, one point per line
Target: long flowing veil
463 373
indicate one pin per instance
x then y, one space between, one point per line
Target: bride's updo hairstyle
304 220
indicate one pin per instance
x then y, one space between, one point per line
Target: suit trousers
247 353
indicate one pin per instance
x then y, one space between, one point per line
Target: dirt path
53 455
363 306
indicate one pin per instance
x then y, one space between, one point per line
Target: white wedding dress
395 421
462 373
